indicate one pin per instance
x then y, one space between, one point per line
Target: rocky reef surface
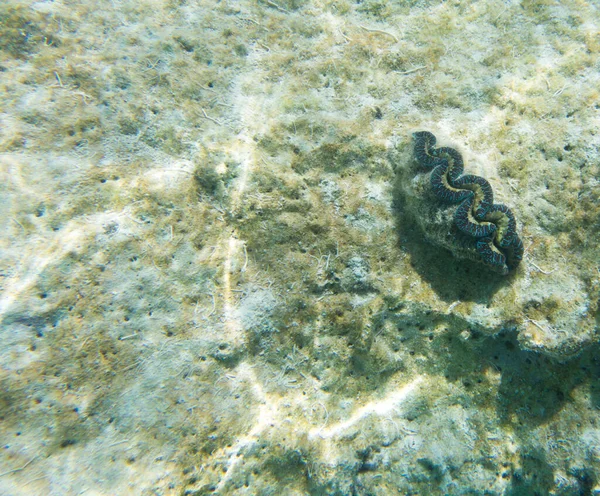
213 266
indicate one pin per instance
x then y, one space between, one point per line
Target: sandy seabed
214 278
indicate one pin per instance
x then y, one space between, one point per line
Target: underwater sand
214 278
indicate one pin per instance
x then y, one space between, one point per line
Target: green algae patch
23 31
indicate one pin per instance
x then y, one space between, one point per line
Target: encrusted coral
490 227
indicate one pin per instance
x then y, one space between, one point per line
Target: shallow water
220 272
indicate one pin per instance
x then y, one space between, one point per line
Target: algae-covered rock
222 270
